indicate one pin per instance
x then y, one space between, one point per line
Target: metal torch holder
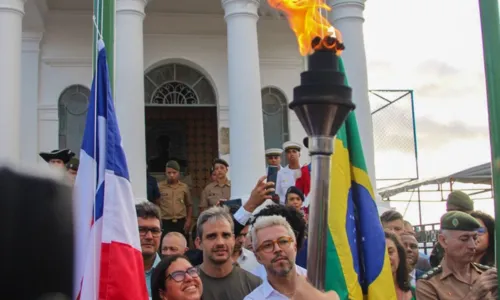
322 103
321 149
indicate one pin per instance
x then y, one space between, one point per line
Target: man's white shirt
286 179
247 260
297 173
265 291
260 271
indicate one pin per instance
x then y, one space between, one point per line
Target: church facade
194 80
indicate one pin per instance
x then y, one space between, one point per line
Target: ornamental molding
67 62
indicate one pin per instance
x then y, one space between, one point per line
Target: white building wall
199 40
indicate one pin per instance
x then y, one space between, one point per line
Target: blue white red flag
108 259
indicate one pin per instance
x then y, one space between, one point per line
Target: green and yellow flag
358 265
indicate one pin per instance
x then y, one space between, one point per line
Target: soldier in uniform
456 276
220 189
292 151
285 178
175 202
457 201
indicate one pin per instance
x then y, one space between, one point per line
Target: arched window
275 115
177 84
73 104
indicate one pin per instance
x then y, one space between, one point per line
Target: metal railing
427 236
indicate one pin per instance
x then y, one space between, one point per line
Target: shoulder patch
481 267
431 273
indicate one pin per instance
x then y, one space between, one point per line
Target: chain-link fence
394 134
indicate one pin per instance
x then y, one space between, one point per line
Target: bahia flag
358 265
108 260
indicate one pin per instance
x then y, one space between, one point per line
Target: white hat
274 151
291 145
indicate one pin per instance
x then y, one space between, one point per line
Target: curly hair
292 216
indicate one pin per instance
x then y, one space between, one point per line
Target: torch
322 103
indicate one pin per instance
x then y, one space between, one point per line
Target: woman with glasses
485 251
174 278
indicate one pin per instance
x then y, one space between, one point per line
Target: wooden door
186 134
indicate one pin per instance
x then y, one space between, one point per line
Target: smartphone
272 176
233 204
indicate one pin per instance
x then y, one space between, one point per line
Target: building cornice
286 63
48 112
61 62
31 41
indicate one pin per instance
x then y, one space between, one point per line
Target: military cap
63 154
220 161
457 220
172 164
73 164
291 145
460 200
274 151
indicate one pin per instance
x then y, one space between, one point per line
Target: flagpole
104 14
490 24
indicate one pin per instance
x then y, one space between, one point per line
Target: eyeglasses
155 231
179 276
283 243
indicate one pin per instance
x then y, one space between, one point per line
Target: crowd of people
462 263
259 250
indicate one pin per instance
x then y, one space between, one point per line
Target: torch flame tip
312 29
328 43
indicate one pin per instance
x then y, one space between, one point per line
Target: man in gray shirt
221 280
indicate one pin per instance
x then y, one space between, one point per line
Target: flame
308 24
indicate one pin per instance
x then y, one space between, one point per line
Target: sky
433 47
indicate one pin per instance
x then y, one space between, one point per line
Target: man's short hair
292 216
391 215
213 214
148 210
178 235
268 221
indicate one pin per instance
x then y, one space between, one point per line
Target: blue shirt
149 272
301 259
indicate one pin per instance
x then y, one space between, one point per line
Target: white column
347 16
129 89
246 131
11 28
30 63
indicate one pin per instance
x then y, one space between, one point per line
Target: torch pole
490 24
321 150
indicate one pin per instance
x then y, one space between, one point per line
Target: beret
172 164
461 200
457 220
220 161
